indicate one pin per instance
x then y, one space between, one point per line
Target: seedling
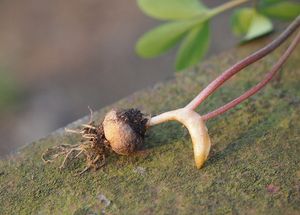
123 131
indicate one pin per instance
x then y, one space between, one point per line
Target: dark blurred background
58 57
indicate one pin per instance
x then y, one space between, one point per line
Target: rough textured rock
253 167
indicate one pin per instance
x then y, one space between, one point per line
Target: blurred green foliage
9 90
188 23
250 24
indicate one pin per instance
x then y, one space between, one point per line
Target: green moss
256 145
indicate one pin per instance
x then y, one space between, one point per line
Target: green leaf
282 10
260 25
250 24
172 9
162 38
241 21
193 47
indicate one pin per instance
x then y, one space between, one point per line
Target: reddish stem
242 64
259 86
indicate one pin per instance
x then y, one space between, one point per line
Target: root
124 135
93 149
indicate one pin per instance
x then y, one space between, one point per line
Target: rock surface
253 167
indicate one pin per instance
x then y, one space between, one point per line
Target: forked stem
218 82
197 129
257 87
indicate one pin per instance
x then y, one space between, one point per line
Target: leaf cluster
188 22
250 23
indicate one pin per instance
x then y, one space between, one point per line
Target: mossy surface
253 167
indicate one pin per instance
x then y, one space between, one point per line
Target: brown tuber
124 130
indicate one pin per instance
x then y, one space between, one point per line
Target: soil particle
105 201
